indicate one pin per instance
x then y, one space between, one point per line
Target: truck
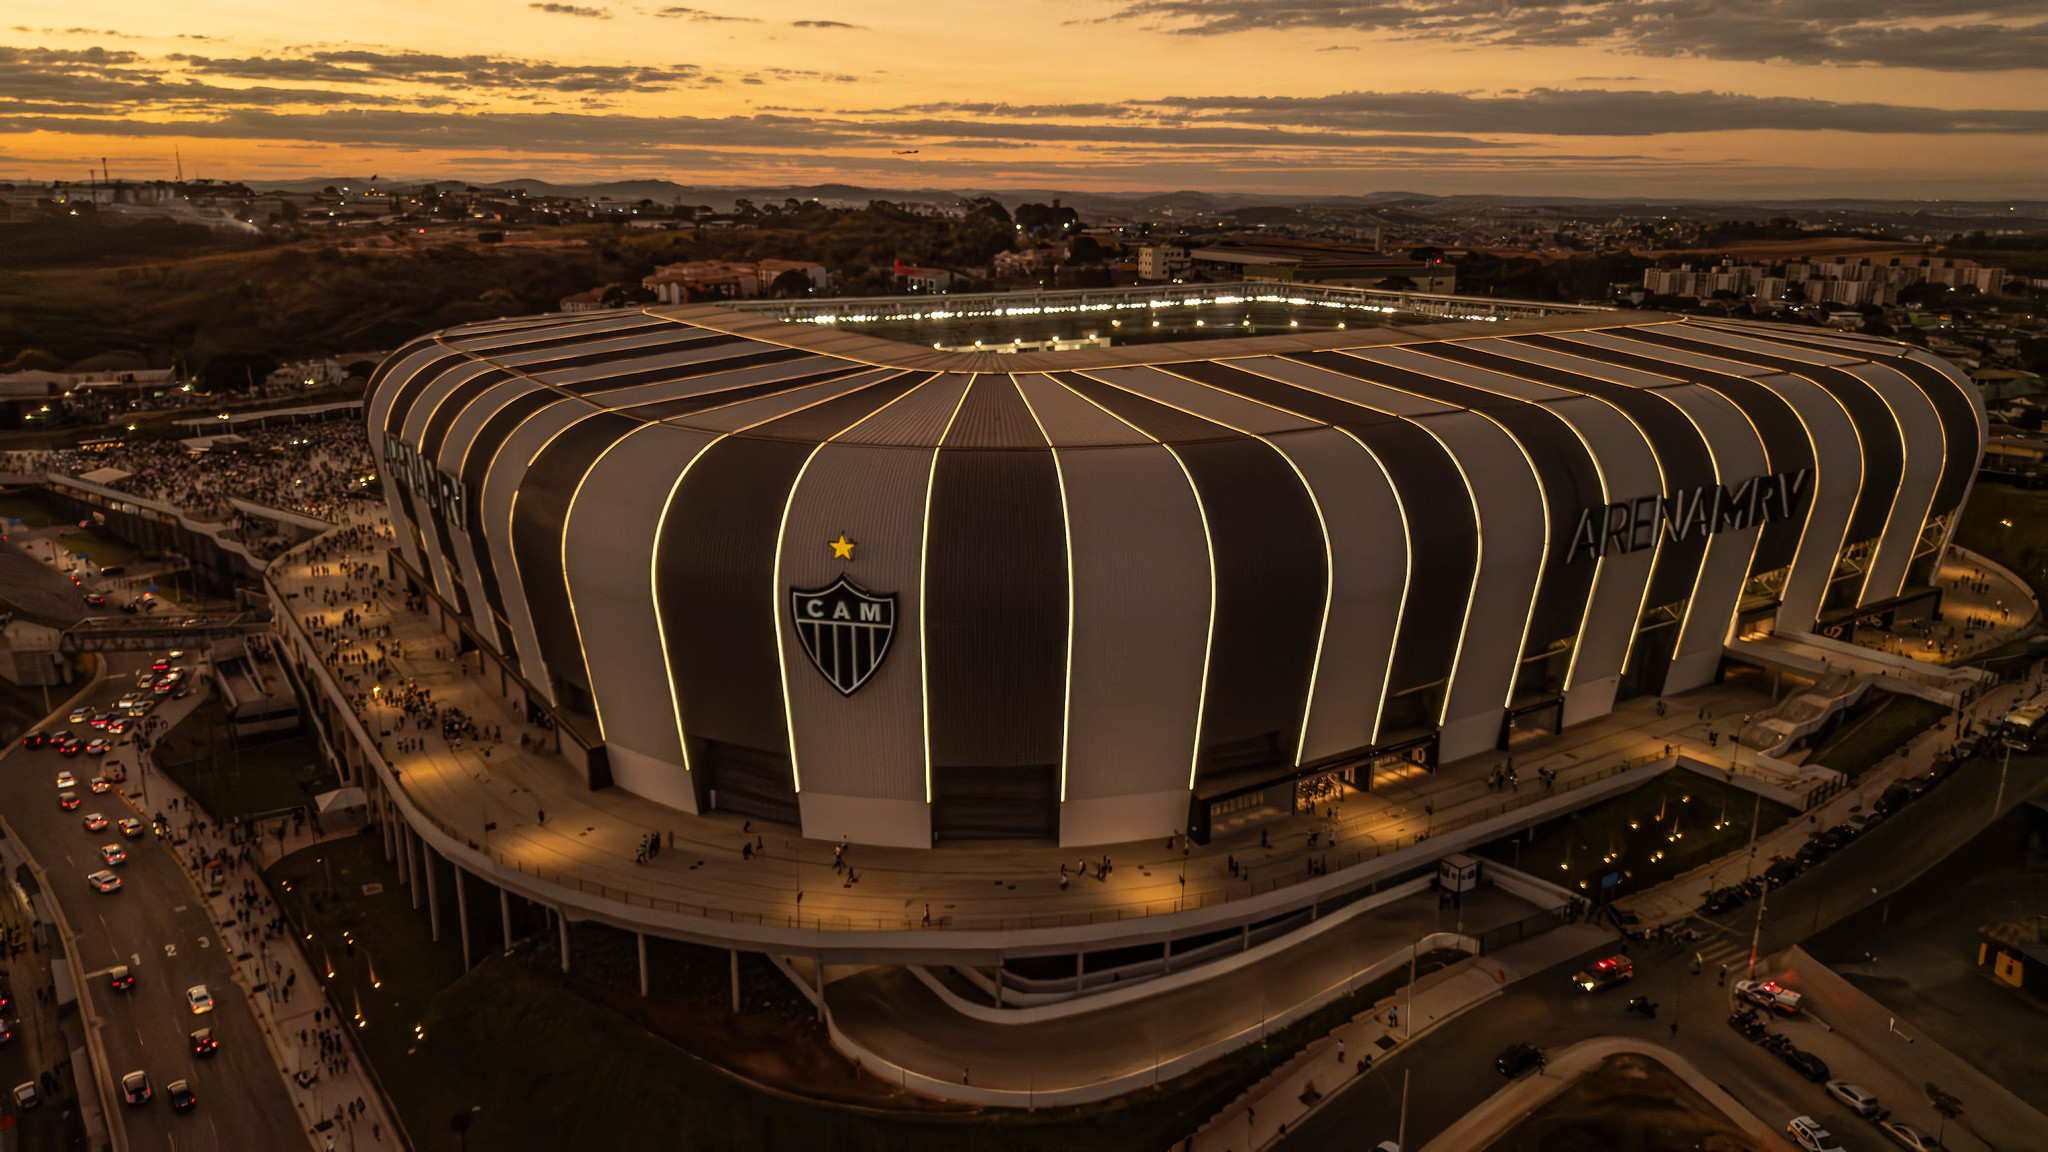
2025 728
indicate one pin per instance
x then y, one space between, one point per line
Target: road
156 924
1452 1066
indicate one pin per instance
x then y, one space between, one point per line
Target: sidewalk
1256 1119
270 969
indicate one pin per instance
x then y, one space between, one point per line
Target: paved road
155 923
1452 1067
36 591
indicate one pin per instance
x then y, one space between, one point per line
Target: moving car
1606 973
199 998
80 714
26 1096
1769 994
1862 1101
35 740
135 1088
1806 1132
182 1096
1909 1137
6 1030
1517 1059
95 600
71 746
130 827
104 880
101 784
94 821
67 800
203 1043
65 779
120 978
98 746
113 854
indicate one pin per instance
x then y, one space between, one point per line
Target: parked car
26 1097
1806 1132
1805 1063
1724 900
1860 1100
1909 1137
1748 1023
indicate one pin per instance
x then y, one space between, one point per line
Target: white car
199 998
113 854
26 1096
1862 1101
1909 1137
81 714
66 780
1770 994
1810 1136
104 880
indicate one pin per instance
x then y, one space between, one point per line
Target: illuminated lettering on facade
441 492
1703 511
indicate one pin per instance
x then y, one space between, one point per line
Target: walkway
1159 1029
589 839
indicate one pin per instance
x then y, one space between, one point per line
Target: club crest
845 630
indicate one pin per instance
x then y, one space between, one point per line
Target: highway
156 924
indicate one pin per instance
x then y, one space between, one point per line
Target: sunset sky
1611 98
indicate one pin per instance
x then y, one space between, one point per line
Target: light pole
1756 937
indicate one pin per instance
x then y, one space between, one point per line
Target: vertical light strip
775 600
1067 531
1209 639
924 539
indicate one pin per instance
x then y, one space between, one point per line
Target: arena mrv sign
1702 511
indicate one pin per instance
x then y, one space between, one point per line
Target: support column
999 983
562 923
1244 937
384 814
735 980
433 892
462 913
505 916
1166 957
641 938
412 863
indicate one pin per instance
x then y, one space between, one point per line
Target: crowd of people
311 469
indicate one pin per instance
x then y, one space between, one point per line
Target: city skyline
1726 98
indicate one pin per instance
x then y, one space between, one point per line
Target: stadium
897 591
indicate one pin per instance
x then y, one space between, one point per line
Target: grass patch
234 776
104 548
1663 829
1860 743
31 507
551 1061
1629 1101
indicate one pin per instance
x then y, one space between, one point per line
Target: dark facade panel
1884 448
539 515
1784 435
1571 482
995 596
1681 449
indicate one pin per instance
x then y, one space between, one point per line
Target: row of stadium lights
1046 309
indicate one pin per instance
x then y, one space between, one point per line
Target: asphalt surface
156 923
35 591
1452 1066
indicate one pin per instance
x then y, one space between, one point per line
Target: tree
1396 284
790 282
1084 250
1945 1106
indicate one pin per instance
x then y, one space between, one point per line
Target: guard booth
1457 873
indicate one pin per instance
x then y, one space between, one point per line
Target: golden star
842 548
